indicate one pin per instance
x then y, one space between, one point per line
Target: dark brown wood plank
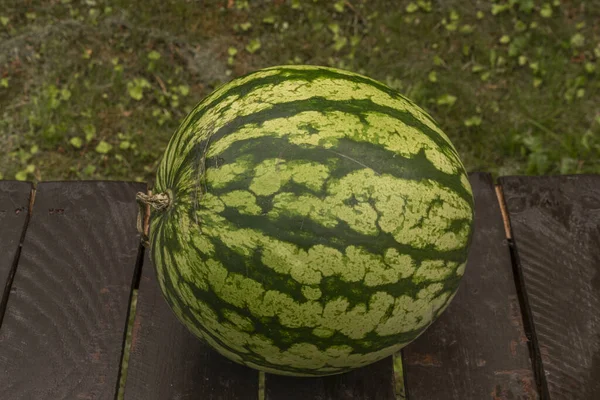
65 320
14 209
169 362
373 382
556 227
477 349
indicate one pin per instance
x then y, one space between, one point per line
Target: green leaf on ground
76 142
253 46
412 7
546 10
103 147
154 55
473 121
577 40
21 176
446 100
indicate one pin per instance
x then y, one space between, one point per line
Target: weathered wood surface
67 312
14 210
168 362
373 382
556 227
477 349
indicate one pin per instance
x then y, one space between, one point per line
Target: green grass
93 89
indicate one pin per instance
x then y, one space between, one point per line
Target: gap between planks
502 204
261 385
15 263
535 354
126 348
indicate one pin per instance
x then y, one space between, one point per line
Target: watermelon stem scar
159 202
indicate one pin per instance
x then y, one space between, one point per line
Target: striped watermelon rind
318 221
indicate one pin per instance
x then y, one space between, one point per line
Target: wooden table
525 323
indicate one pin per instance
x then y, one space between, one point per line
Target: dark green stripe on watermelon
284 228
380 160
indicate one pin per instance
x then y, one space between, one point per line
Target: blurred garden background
93 89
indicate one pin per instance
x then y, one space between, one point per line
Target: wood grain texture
66 316
373 382
14 209
556 228
169 362
477 349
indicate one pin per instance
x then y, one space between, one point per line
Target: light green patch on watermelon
464 180
402 263
328 211
420 203
304 205
183 266
355 322
210 203
243 201
272 174
405 140
231 333
461 269
414 313
357 262
413 225
203 244
243 323
242 241
397 266
292 314
323 332
287 258
227 173
311 293
189 272
234 288
434 270
328 261
223 330
309 174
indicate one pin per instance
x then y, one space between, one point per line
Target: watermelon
314 221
